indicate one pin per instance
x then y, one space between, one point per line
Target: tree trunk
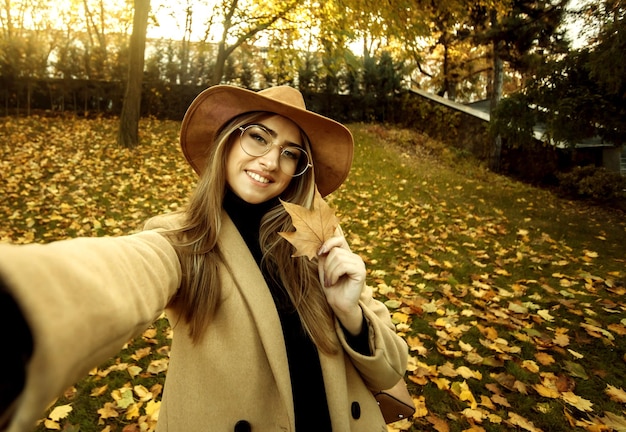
128 135
496 95
220 62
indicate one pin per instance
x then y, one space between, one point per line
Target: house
592 150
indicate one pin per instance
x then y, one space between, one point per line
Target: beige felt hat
332 145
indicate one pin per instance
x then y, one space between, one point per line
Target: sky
170 16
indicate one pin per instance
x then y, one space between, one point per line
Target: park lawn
510 298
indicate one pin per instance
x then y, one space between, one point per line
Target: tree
578 96
128 135
242 25
521 35
26 41
436 39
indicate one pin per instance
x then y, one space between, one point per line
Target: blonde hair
198 298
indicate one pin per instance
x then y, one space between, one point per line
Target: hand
342 274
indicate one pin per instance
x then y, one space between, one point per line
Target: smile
257 177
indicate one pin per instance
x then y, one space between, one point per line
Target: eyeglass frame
243 129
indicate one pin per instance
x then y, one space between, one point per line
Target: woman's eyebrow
275 135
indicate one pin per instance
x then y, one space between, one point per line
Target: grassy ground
511 299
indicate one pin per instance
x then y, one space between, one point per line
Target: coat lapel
250 282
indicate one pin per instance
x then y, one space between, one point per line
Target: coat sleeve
389 352
83 299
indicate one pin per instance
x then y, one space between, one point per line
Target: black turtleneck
309 397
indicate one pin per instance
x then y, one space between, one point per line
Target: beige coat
85 298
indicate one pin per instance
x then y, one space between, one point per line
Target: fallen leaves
615 394
495 288
66 177
512 302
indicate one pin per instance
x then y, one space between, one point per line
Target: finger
333 242
339 263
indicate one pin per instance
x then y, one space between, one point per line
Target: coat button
243 426
356 410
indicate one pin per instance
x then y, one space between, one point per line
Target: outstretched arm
82 300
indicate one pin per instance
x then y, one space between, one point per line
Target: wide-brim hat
332 145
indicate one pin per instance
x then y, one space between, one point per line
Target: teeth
257 177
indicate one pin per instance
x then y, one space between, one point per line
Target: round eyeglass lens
257 141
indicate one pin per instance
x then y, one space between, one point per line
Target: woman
263 341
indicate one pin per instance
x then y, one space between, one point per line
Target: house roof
468 109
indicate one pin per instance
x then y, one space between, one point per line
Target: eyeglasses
257 141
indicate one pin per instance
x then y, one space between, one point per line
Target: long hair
196 242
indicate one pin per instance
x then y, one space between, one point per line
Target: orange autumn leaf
439 424
313 227
544 358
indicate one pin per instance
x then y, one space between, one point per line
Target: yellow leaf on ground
152 409
467 373
486 402
546 392
544 358
500 400
577 401
50 424
132 412
448 370
60 412
545 314
520 421
616 394
463 392
133 371
108 411
142 393
441 383
473 414
614 421
420 407
141 353
400 317
99 391
158 366
530 366
561 339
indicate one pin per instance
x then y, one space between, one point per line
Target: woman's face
257 179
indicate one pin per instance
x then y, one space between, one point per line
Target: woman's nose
271 159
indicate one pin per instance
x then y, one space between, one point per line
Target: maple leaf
576 401
313 227
616 394
614 421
